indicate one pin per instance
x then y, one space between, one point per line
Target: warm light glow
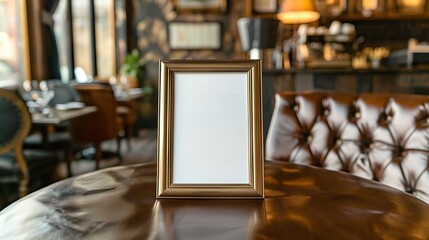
412 3
295 12
369 4
298 17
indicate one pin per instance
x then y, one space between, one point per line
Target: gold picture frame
210 142
215 6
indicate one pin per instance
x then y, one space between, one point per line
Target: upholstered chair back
15 124
378 136
26 170
101 125
104 124
15 121
64 93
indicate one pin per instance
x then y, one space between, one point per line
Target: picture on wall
195 35
265 6
200 5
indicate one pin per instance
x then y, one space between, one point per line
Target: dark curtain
49 42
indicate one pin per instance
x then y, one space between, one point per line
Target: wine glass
44 95
125 84
27 94
38 95
116 86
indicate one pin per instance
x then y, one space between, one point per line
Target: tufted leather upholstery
378 136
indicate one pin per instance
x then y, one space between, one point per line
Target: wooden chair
28 169
105 124
128 112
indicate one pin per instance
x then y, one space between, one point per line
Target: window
105 37
82 36
90 39
62 35
12 61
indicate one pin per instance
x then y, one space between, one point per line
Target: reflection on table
300 202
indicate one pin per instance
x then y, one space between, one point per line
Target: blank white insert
210 128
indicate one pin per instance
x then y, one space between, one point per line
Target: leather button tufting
326 112
357 114
306 137
338 142
296 108
399 152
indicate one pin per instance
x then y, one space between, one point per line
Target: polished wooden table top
300 202
60 116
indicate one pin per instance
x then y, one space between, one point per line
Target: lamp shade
258 33
298 11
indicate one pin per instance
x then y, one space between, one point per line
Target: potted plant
134 68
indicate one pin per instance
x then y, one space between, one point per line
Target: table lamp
296 12
256 34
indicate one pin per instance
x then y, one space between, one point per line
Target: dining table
60 116
301 202
57 117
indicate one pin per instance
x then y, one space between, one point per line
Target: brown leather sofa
378 136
